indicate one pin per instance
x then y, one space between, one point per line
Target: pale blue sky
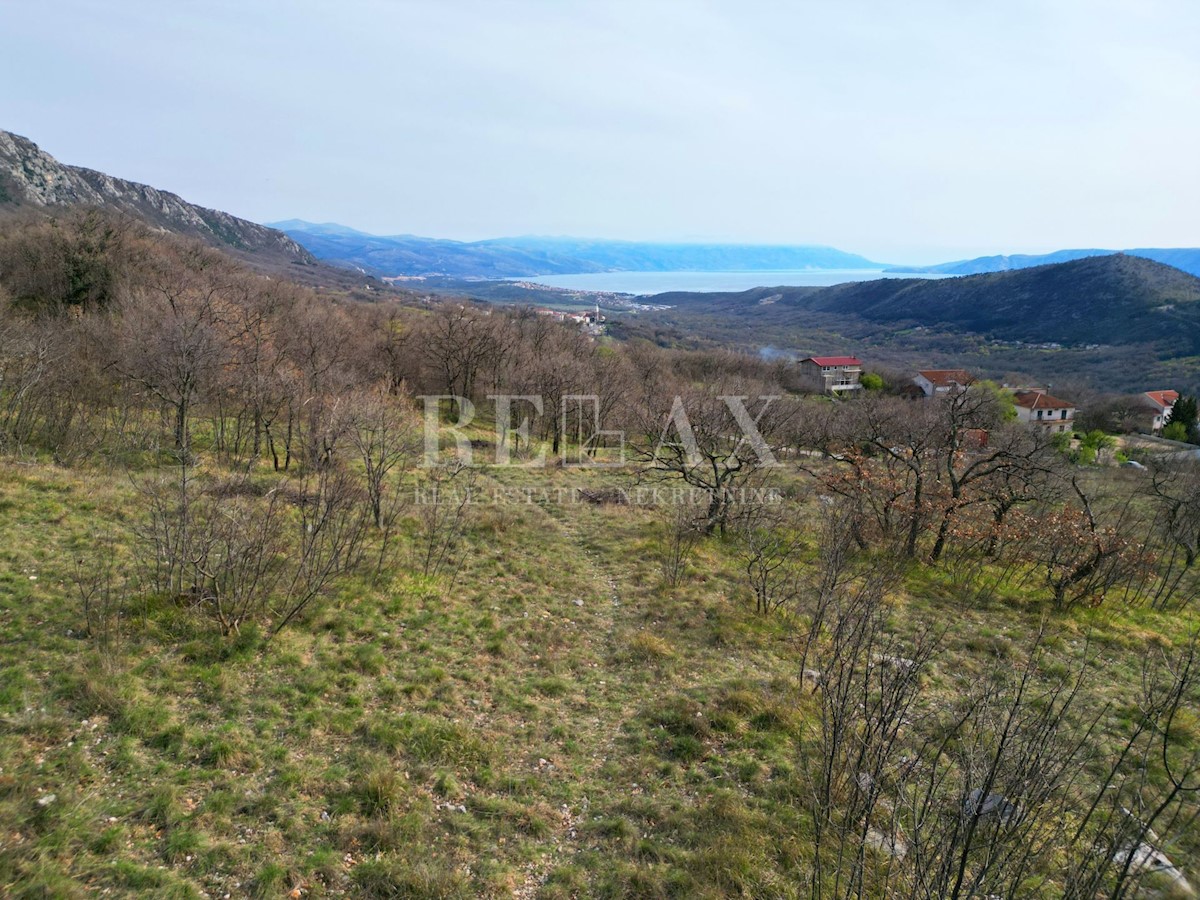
909 132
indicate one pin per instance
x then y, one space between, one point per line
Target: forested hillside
1184 258
1105 300
1110 323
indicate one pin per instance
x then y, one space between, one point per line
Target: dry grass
557 724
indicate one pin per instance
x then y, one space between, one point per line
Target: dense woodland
266 446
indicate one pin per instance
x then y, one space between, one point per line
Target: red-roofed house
942 381
833 374
1043 410
1159 404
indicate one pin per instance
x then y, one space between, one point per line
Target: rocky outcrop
30 177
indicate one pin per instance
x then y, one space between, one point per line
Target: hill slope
1185 258
522 256
32 178
1115 299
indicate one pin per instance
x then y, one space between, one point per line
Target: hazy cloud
907 132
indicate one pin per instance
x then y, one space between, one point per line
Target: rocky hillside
32 178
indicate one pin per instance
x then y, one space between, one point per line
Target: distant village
590 322
843 376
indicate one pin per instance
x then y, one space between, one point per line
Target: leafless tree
319 347
103 588
1084 548
884 455
683 529
770 537
235 552
1175 489
385 438
716 439
169 339
333 521
458 342
982 458
384 435
443 505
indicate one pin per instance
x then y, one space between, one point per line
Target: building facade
934 382
1158 405
1040 409
833 374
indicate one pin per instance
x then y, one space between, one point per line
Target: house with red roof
833 374
1041 409
1158 406
935 382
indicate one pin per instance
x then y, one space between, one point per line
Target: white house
933 382
1042 410
1159 404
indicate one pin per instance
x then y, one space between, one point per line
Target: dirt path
605 713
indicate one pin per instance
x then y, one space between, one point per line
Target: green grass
410 740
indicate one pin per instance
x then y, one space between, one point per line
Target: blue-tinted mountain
1185 258
517 257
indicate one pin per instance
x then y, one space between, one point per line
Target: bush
1175 431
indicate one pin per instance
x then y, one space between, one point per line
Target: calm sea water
660 282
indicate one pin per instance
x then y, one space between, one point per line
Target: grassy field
557 723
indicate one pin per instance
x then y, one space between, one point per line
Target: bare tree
319 347
683 529
385 439
169 340
458 342
716 439
443 513
1084 549
980 451
769 539
333 521
884 453
383 432
1176 490
103 588
236 553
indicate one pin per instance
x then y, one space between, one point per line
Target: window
1039 413
1064 414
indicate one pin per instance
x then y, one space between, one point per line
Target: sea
644 283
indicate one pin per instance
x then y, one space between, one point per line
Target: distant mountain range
1126 319
1114 323
1187 259
32 179
518 257
1112 299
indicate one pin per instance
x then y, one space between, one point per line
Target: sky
910 132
